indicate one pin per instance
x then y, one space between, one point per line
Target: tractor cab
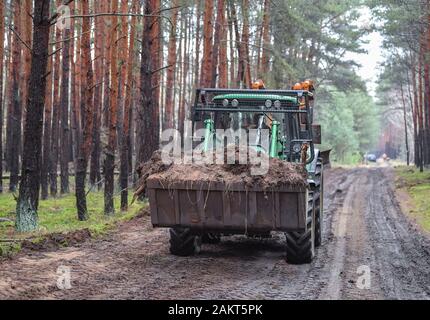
287 114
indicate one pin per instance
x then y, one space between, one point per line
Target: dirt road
365 234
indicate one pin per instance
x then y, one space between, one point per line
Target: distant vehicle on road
371 157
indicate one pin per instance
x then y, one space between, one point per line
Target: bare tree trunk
9 94
223 63
186 67
420 104
426 111
108 42
78 101
156 55
109 165
15 103
125 142
55 131
266 39
180 70
149 114
171 62
46 156
88 107
208 30
2 33
406 124
75 73
412 97
95 174
217 39
65 128
28 200
26 24
122 64
240 54
232 46
198 38
246 64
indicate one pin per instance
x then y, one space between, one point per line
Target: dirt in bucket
279 173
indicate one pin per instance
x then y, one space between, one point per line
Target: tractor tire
211 238
184 243
300 246
319 204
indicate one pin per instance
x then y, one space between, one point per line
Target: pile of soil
55 241
280 173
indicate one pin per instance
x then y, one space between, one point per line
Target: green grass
417 185
59 215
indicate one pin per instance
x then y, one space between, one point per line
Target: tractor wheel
319 207
211 238
301 245
184 243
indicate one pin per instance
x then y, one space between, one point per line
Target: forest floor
365 231
58 222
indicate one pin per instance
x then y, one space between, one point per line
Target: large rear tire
319 203
184 243
300 246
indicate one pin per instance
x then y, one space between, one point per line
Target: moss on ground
417 185
59 215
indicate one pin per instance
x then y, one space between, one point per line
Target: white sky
371 60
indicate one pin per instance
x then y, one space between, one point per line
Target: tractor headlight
297 148
278 104
268 104
235 103
225 103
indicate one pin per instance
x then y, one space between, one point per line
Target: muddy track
364 228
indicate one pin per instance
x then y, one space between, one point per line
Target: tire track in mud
402 253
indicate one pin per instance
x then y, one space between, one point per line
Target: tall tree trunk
413 102
186 67
208 30
26 23
28 200
181 66
109 166
2 33
240 53
65 128
405 124
15 102
219 26
122 64
55 131
125 141
232 46
426 138
75 74
420 104
171 62
107 49
156 56
266 40
198 40
246 64
77 101
223 63
9 93
95 175
46 156
88 107
148 114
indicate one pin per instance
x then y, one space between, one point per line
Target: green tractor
209 213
